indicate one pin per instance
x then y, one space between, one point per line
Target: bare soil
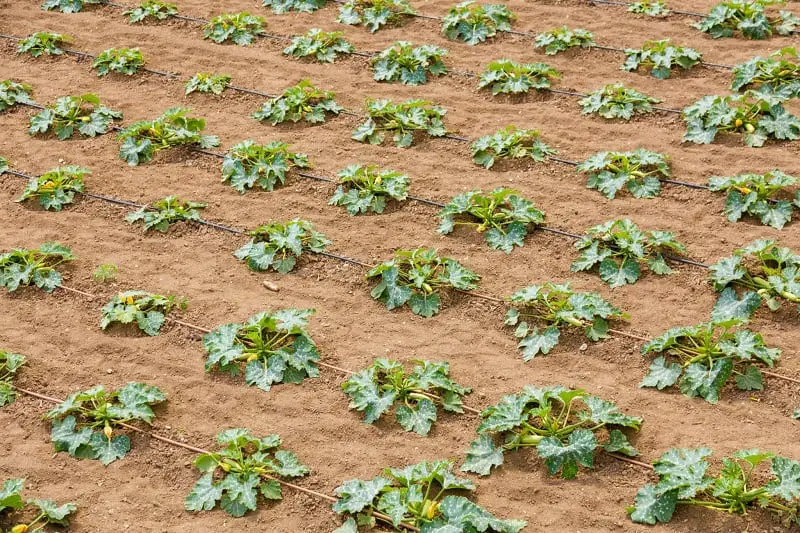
67 351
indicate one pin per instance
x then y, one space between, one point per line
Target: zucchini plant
778 74
765 271
43 42
248 164
639 171
508 77
660 57
416 277
241 28
165 212
68 6
563 39
503 215
273 347
154 9
303 101
757 195
46 512
702 358
427 496
748 17
126 61
70 113
142 139
300 6
148 311
510 143
474 23
617 101
245 466
56 188
10 363
402 120
618 248
87 424
365 188
408 64
683 479
207 82
651 8
558 307
374 14
13 93
278 245
322 46
565 425
22 267
755 115
415 395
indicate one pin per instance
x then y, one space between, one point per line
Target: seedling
410 65
778 75
416 277
503 215
322 46
77 422
510 143
301 6
618 247
415 394
640 171
755 115
244 467
303 101
617 101
126 61
563 39
248 164
474 23
419 495
365 188
374 14
565 425
9 364
148 311
13 93
660 57
105 273
161 214
507 77
47 511
207 82
651 8
278 245
154 9
683 480
68 6
22 268
402 120
756 195
707 355
43 42
241 28
141 140
765 271
272 347
558 307
56 188
82 113
748 17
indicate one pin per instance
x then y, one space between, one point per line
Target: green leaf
483 454
730 307
682 471
565 457
425 305
356 494
700 380
54 513
418 420
619 274
239 492
66 438
661 374
288 465
536 342
618 443
750 380
271 490
108 451
10 497
786 484
652 505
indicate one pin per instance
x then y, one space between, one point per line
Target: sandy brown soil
67 351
